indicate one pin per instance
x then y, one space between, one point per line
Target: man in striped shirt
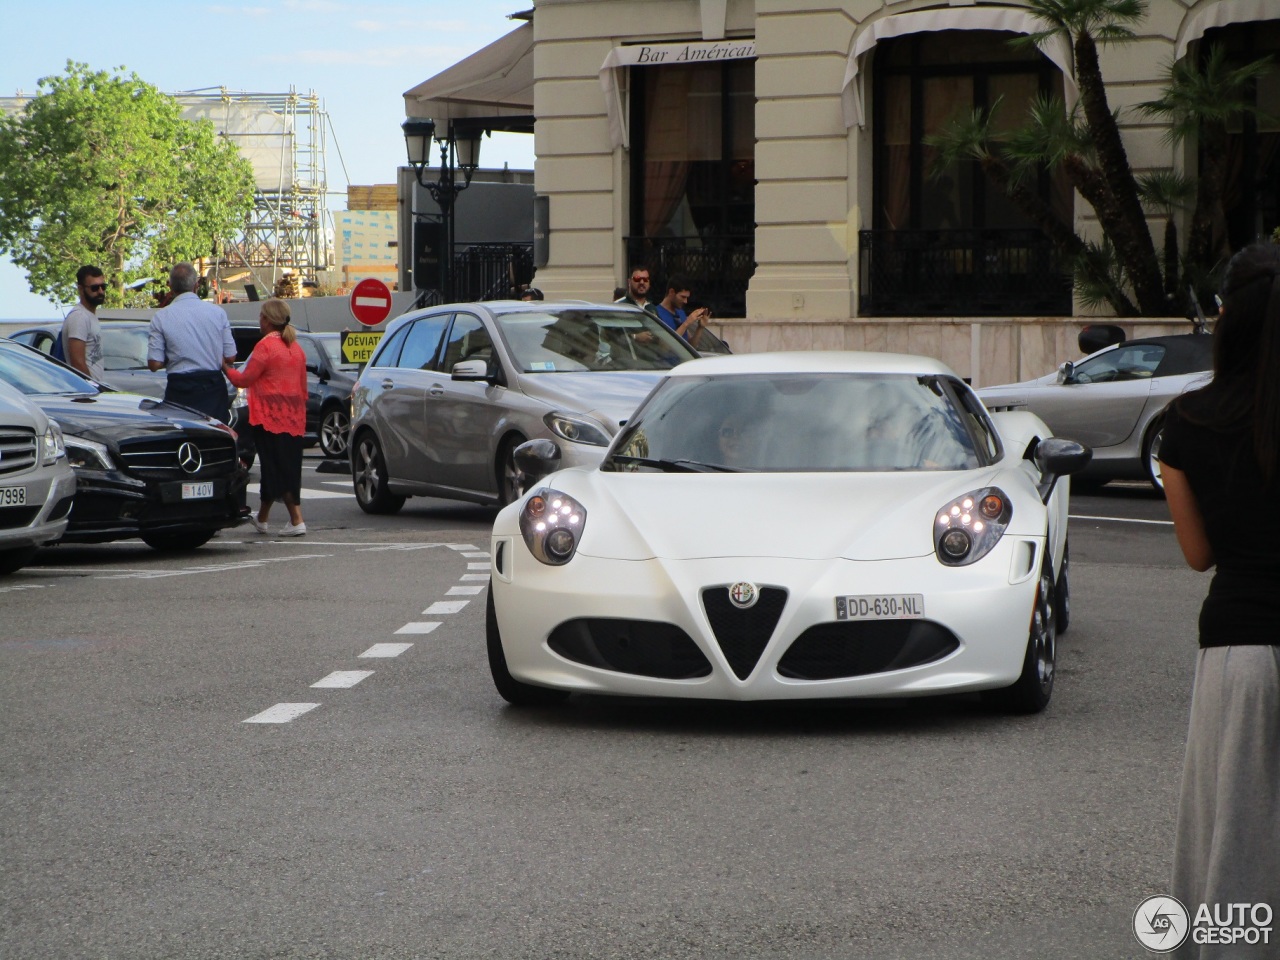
190 339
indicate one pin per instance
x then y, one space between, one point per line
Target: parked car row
82 463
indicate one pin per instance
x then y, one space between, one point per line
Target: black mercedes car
143 468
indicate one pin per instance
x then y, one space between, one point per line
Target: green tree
102 168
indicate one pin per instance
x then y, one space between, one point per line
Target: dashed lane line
210 568
386 650
477 566
475 576
281 713
463 591
1158 523
342 679
445 606
420 626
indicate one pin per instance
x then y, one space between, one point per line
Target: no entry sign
371 301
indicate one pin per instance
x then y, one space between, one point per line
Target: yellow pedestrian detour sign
358 346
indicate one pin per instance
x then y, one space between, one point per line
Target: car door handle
387 383
435 390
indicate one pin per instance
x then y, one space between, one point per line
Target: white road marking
444 606
25 586
399 546
478 554
281 713
308 493
1159 523
462 591
474 576
340 679
462 546
210 568
340 483
420 626
477 566
386 650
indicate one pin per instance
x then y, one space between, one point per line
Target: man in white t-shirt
81 331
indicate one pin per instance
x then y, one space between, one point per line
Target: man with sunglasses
81 330
638 282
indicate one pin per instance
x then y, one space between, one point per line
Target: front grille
158 459
13 517
743 634
644 647
855 648
18 450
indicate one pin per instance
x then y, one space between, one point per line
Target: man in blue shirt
671 311
190 339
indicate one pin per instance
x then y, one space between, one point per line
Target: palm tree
1168 192
1085 23
1198 102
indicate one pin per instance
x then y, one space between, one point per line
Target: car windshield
333 350
797 423
30 373
591 339
124 348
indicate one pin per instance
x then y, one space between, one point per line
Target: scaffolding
289 237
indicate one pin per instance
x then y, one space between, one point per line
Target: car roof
813 361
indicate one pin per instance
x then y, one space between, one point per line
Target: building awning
1008 19
494 85
1221 14
658 55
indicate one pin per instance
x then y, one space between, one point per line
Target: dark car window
388 352
41 340
468 340
124 348
423 342
1130 361
591 339
310 351
797 423
1192 353
29 373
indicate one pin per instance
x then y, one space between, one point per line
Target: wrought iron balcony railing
916 273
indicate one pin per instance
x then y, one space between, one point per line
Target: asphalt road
413 814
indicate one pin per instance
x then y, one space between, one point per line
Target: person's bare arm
154 365
1188 522
77 355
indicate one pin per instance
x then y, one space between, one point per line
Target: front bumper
111 505
36 525
984 610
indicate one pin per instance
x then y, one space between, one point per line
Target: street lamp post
459 151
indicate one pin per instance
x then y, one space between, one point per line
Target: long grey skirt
1227 846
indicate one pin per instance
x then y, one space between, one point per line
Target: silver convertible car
453 390
1114 400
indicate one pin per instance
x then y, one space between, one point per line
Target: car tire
1030 693
1151 454
510 479
14 559
512 690
369 477
335 433
178 542
1062 593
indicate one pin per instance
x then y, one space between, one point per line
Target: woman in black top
1221 468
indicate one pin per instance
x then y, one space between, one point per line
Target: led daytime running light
551 524
970 526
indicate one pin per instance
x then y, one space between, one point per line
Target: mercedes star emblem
743 595
189 458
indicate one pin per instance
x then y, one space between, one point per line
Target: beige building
774 151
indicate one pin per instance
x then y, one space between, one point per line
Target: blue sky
358 57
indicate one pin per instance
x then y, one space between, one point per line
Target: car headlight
88 454
968 527
577 429
52 448
552 523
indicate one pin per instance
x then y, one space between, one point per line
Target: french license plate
197 491
885 606
13 496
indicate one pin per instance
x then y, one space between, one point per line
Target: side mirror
470 370
1065 372
1056 458
536 459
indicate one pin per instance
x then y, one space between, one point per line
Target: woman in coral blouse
276 373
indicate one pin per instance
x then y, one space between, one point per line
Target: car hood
609 397
881 516
112 417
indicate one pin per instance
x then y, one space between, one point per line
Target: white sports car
796 525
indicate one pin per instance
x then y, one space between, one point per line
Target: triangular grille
743 634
